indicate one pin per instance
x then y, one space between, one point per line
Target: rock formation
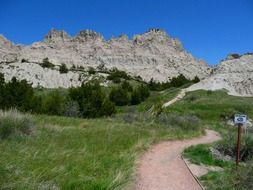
153 54
234 74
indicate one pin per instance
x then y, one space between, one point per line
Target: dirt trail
177 98
162 168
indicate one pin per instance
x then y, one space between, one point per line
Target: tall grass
13 122
80 154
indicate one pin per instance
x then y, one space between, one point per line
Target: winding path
162 168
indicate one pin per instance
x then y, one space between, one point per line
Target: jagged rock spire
57 36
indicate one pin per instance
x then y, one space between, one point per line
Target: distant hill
153 54
234 74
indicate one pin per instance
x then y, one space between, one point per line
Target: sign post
239 120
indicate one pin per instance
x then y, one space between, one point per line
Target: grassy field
101 154
212 106
215 108
67 153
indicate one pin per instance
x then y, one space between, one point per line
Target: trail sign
240 119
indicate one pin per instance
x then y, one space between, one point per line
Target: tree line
178 81
87 101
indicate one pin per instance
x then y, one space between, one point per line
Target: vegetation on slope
74 153
215 109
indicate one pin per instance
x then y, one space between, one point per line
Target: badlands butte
152 55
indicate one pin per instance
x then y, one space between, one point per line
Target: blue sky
209 29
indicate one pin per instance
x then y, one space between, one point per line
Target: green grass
215 108
14 124
69 153
200 154
155 97
99 154
212 106
158 97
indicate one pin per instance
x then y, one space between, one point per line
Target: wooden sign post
239 120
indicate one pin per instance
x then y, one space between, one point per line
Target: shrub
53 103
63 68
17 94
135 97
178 81
2 83
185 122
46 63
131 117
139 94
126 86
239 178
144 92
119 96
196 79
116 80
234 55
91 71
72 109
24 60
228 146
108 108
91 100
15 123
73 67
191 98
116 75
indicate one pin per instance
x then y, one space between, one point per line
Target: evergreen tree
126 86
135 97
119 96
63 68
92 101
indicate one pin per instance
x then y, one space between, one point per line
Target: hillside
234 74
153 54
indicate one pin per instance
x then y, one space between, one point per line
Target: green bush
185 122
228 146
15 123
91 71
46 63
196 79
71 109
91 100
139 94
63 68
116 75
126 86
135 97
178 81
239 178
119 96
24 60
53 103
108 108
2 83
144 92
18 94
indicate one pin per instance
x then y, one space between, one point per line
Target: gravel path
162 168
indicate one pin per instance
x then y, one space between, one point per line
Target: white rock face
150 55
40 77
233 74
